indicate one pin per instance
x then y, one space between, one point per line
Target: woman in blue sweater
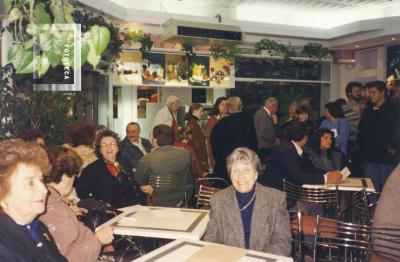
336 122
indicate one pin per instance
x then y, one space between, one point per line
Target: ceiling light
393 38
356 46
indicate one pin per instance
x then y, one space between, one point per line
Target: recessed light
356 46
393 38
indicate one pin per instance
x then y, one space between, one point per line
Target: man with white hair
167 114
265 127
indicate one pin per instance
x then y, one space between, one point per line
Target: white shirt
300 152
266 109
140 146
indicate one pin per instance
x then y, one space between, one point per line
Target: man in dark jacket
287 162
236 130
376 131
134 147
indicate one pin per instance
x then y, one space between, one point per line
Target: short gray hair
234 104
270 101
172 99
243 155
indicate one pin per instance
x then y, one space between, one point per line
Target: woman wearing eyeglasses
110 178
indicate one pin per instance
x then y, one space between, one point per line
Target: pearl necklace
248 204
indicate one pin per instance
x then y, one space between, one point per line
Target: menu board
173 70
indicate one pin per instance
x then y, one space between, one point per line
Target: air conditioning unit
196 33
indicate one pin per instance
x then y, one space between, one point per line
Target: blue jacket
341 129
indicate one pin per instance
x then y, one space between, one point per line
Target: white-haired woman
247 214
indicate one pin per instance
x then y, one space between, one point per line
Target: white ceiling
322 14
334 23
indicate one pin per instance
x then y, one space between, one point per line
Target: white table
160 222
349 184
185 250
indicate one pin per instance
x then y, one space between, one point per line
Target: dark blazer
236 130
285 163
270 226
376 131
17 246
265 129
132 152
97 182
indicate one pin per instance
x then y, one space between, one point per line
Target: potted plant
137 36
315 50
269 47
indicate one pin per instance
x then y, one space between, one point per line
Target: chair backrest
324 197
208 187
204 196
355 240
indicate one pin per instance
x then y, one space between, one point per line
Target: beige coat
74 240
270 226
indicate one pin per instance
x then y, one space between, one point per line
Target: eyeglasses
108 145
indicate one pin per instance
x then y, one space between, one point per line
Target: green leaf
28 44
14 14
32 29
41 64
100 37
93 58
56 7
53 57
21 59
68 10
40 14
7 4
84 52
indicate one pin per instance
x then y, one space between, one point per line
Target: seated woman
246 214
22 198
110 178
322 152
74 240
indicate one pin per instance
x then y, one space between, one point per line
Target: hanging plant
32 22
315 50
137 36
230 54
87 19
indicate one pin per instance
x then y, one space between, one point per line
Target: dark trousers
378 173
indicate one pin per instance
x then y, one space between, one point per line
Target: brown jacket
270 226
212 121
198 143
74 240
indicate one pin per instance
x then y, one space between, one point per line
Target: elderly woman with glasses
246 214
110 178
22 198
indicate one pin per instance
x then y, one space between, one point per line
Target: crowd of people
40 187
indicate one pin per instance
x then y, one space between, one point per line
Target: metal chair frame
205 192
312 195
353 242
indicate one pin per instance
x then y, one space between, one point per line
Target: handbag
98 212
